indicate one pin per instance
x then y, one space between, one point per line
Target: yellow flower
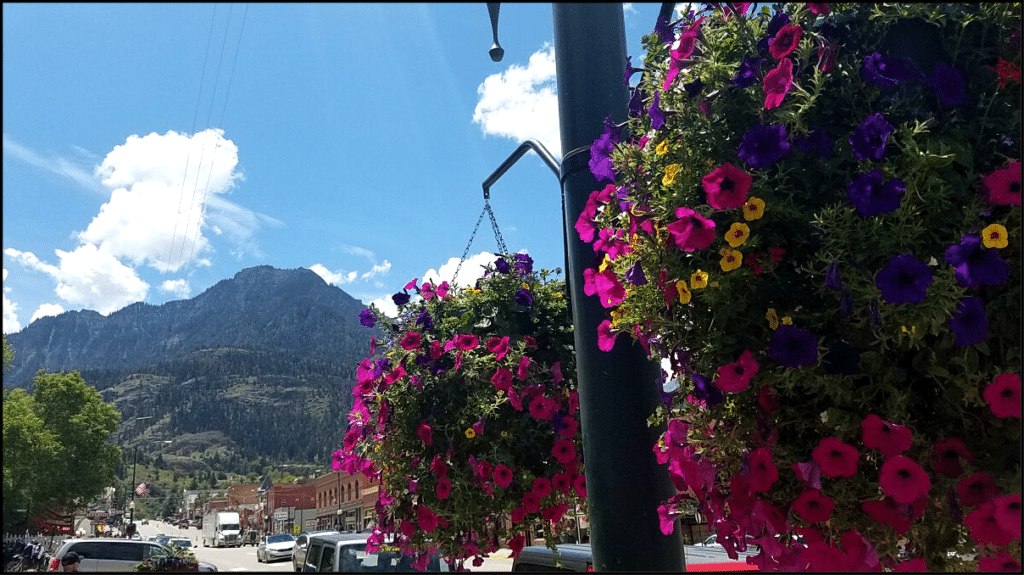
994 236
737 234
616 316
504 435
684 294
526 286
753 209
662 148
671 171
773 318
786 320
604 264
911 331
699 279
731 259
470 434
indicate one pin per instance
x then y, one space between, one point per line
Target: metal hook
496 51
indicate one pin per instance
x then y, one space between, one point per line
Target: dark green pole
618 389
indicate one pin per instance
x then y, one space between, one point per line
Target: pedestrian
70 561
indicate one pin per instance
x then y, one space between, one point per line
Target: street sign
281 515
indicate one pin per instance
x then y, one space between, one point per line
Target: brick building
284 505
242 498
344 502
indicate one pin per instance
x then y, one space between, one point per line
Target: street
225 558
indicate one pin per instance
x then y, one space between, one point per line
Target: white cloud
178 288
522 102
53 164
471 270
11 323
358 251
340 277
378 270
628 8
89 277
385 306
46 310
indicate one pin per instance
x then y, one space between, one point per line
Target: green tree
82 423
30 451
8 354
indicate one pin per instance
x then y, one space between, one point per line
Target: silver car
274 547
104 554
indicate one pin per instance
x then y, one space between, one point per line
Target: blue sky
152 150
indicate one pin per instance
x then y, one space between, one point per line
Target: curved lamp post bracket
511 160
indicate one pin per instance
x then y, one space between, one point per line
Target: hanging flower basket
814 213
467 413
179 560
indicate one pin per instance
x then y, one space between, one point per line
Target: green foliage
30 452
8 355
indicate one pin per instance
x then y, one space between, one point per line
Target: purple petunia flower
869 139
845 303
367 318
904 280
664 31
657 116
635 275
763 145
793 347
779 20
748 72
400 298
949 85
888 72
523 298
523 263
969 323
601 151
630 70
976 265
705 390
817 142
693 88
871 197
636 101
832 279
425 320
501 265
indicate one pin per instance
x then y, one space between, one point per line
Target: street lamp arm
512 159
496 52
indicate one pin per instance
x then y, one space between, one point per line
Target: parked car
182 542
274 547
104 554
162 538
570 557
301 543
347 553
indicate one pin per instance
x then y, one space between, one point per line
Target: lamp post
618 389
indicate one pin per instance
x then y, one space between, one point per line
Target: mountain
258 366
262 308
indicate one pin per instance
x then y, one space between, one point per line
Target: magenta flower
1004 185
889 512
411 340
763 472
502 379
1001 562
466 342
579 485
785 41
564 451
531 503
976 489
426 518
691 231
541 487
985 528
367 318
726 187
835 458
813 507
1007 514
735 377
502 475
903 479
887 438
946 455
667 515
542 408
777 83
1003 395
444 488
426 436
608 288
561 482
498 346
605 336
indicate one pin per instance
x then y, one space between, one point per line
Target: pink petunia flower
541 487
569 427
915 565
518 514
726 187
903 479
735 377
556 373
785 41
763 472
985 528
813 507
523 369
1007 513
516 545
564 451
1003 562
574 401
579 485
555 512
1003 395
888 512
438 466
426 518
502 475
887 438
542 408
605 336
691 231
835 458
530 341
466 342
410 340
946 455
820 8
667 515
502 379
435 349
609 289
976 489
561 482
498 346
444 488
478 427
776 83
425 434
513 399
531 503
1004 185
